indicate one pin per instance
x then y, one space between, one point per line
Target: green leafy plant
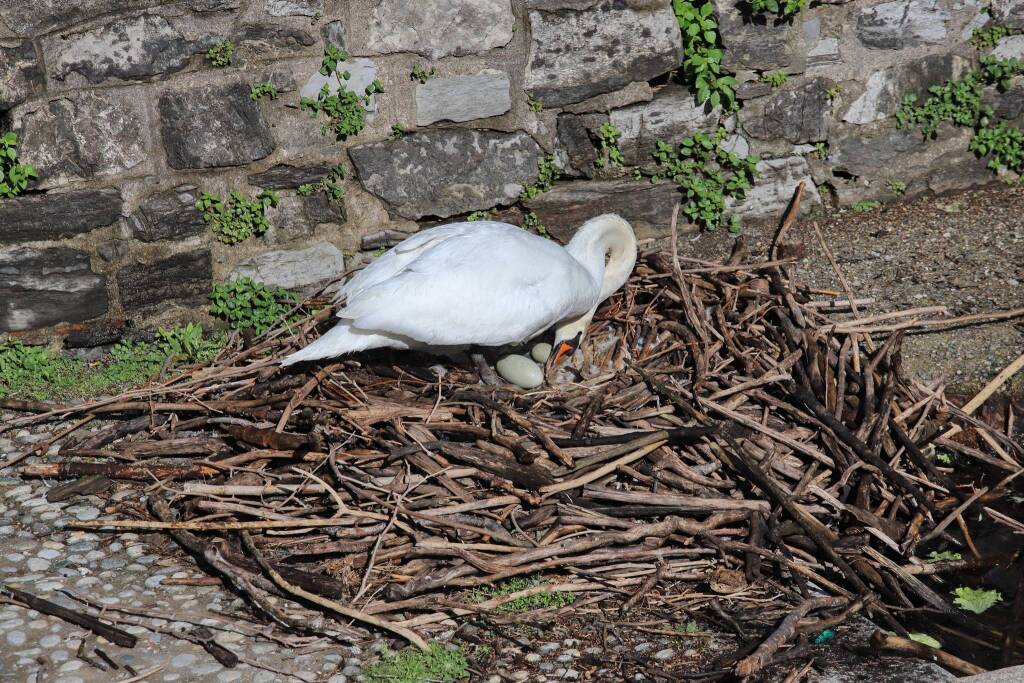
865 205
418 74
535 105
608 137
14 176
239 217
689 627
221 54
345 110
944 458
897 186
958 101
532 223
482 215
187 343
25 371
434 665
944 556
1003 143
925 639
975 600
833 92
999 72
820 150
702 56
541 600
261 90
774 78
707 174
785 9
986 37
397 131
32 372
547 173
247 304
329 185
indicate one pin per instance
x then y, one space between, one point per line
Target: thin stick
750 665
992 387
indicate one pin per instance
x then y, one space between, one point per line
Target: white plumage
482 283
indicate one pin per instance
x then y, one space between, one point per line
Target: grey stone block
447 172
168 216
439 28
84 135
213 126
463 98
57 215
43 287
182 279
576 55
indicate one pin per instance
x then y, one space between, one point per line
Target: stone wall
128 122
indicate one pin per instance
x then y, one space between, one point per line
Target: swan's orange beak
561 350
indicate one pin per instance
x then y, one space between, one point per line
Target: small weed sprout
14 176
345 110
329 185
221 54
547 173
485 215
833 92
784 9
865 205
238 218
261 90
436 664
774 78
897 186
976 600
987 37
944 556
418 74
532 223
820 150
397 132
246 304
608 137
535 106
541 600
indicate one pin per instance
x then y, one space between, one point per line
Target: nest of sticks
733 435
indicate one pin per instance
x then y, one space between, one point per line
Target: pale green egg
540 352
521 371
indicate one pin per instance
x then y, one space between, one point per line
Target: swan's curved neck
606 247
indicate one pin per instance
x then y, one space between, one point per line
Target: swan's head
606 247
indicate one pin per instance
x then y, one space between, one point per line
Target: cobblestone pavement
125 571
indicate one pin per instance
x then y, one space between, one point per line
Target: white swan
483 283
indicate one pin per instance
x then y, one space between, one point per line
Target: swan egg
540 352
521 371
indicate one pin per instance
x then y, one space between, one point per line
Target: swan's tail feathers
342 339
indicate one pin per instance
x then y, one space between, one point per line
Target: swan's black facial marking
562 350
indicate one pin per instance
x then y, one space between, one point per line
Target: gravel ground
963 251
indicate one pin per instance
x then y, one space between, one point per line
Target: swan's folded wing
490 287
396 259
